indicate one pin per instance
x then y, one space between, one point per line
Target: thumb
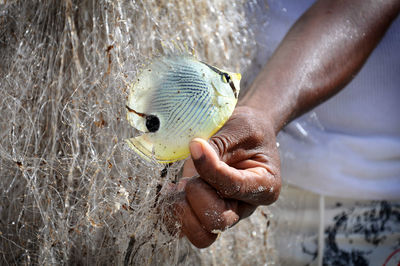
200 149
211 169
205 158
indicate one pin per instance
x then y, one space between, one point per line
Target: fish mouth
236 76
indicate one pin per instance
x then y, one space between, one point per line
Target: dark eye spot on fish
152 123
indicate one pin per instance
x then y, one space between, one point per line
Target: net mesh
71 191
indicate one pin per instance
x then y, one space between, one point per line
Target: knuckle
255 130
272 195
231 191
216 221
220 143
277 189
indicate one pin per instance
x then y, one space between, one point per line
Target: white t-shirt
350 145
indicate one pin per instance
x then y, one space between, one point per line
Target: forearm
320 54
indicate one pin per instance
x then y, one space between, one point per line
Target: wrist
262 121
270 106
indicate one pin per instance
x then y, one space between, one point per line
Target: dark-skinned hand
239 168
227 177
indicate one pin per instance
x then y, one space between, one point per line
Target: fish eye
226 78
152 123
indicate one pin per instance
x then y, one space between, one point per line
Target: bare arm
320 54
239 168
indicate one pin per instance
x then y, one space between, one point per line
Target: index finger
255 182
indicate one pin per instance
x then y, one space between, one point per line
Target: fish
175 99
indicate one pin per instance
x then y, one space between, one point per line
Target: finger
214 213
257 185
245 209
190 225
173 212
242 135
189 169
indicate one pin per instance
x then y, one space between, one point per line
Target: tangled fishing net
71 191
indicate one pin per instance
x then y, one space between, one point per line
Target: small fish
176 99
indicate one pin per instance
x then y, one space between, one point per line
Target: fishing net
71 191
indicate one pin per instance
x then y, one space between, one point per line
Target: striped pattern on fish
176 99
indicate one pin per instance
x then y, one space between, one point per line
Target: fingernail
196 150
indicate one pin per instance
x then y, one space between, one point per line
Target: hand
238 170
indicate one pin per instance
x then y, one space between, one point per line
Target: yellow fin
144 148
